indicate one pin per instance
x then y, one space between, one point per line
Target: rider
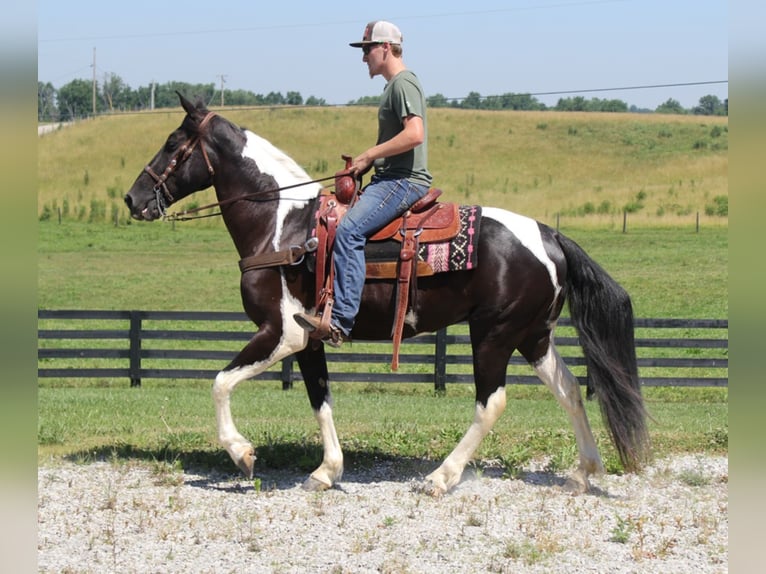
400 159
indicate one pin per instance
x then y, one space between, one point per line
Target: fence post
135 349
287 372
440 361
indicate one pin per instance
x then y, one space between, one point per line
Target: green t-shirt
402 97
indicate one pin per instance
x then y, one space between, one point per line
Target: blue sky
490 47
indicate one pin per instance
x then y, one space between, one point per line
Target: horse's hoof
314 485
430 488
246 463
575 487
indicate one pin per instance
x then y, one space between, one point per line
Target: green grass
669 272
406 423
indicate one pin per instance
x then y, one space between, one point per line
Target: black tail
602 314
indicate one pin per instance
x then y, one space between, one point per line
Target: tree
710 106
671 106
437 101
577 104
513 101
294 99
314 101
472 101
366 101
114 93
75 100
46 103
275 99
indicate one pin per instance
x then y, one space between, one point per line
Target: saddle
426 221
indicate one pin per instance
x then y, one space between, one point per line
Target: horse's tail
602 314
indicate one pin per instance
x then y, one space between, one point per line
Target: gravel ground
137 517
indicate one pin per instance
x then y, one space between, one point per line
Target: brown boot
329 334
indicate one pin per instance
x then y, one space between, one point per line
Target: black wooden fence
136 345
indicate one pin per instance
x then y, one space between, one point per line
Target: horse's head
181 167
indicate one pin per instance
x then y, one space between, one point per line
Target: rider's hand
361 164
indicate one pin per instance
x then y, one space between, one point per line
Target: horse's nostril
128 201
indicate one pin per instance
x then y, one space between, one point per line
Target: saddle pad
458 254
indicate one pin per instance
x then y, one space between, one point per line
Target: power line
648 87
624 88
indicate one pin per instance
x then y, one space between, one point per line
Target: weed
525 552
388 522
622 530
474 520
694 477
513 463
167 473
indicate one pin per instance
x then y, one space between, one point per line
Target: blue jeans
382 201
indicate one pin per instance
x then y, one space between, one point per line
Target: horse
511 301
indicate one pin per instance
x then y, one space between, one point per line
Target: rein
187 214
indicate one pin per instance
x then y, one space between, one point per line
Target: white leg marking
331 469
451 470
565 387
293 339
239 449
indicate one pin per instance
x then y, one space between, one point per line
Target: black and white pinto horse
511 301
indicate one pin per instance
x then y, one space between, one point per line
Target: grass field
400 422
587 168
669 272
590 167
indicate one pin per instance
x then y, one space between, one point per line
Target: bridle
160 189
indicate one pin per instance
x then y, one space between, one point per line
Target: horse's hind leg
490 364
313 366
449 473
565 387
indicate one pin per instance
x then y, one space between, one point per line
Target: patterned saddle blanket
458 253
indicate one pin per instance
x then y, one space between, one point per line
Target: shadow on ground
286 465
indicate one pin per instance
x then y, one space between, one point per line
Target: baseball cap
378 32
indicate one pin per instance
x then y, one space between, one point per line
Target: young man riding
400 160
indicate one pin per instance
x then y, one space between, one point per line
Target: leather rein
165 198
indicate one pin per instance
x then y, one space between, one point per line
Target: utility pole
151 103
94 81
223 81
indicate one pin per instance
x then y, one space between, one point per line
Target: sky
550 48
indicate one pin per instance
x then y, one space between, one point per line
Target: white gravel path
126 518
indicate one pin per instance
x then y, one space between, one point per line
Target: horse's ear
186 104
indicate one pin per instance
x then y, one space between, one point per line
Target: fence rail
136 345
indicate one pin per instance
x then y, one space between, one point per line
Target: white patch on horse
527 231
276 163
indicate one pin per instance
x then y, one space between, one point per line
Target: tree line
78 98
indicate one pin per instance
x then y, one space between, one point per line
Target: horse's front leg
265 348
313 366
